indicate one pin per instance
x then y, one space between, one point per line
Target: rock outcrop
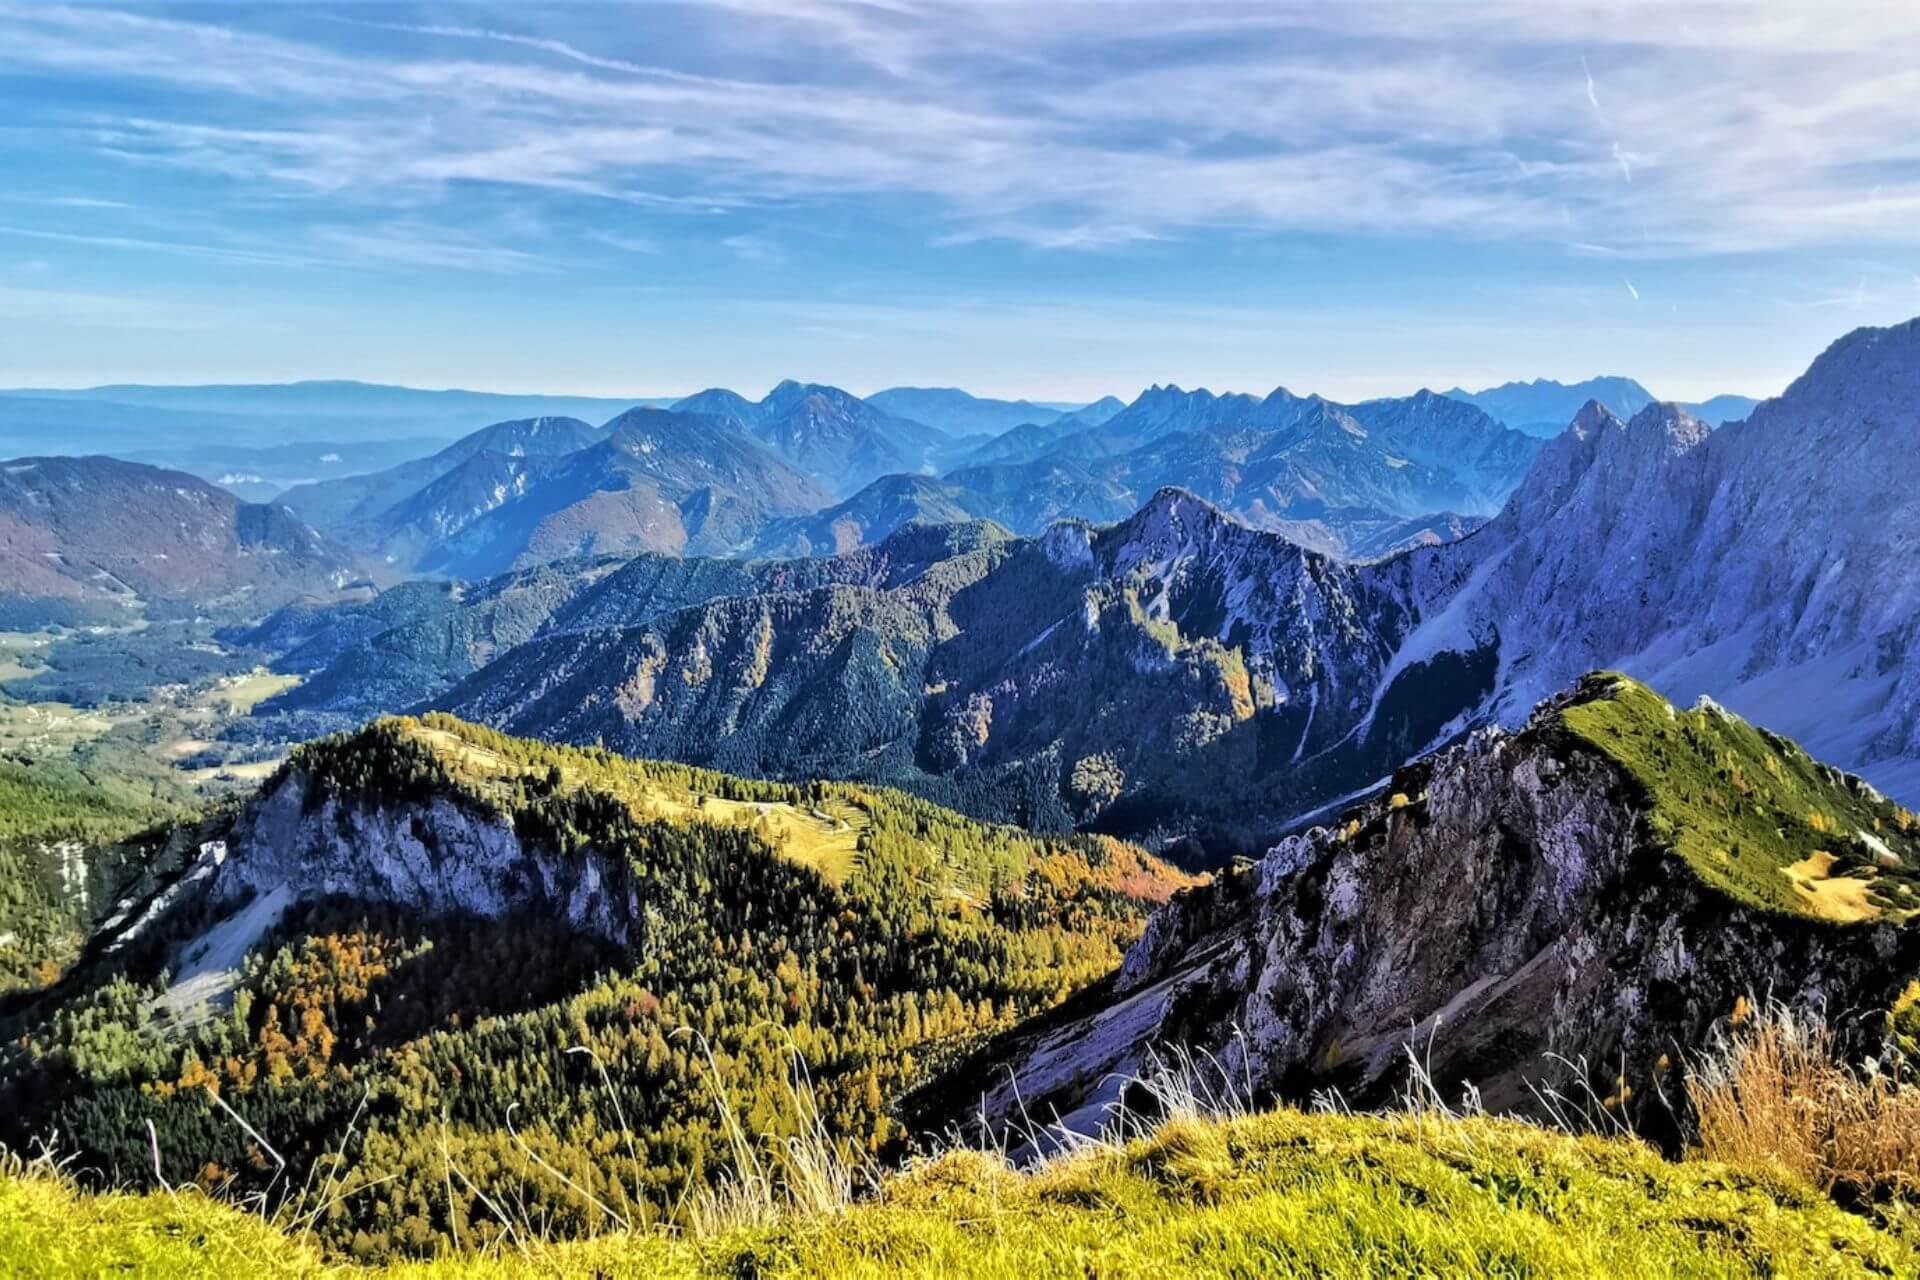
1510 916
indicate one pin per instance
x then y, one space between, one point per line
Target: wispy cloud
626 243
408 245
1067 126
183 248
757 249
78 202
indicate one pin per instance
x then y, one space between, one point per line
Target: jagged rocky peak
1173 524
1600 455
1592 419
1661 424
1587 895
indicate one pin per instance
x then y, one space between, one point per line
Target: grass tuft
1774 1093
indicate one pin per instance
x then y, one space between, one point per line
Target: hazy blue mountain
1544 407
1355 481
357 401
1722 409
877 510
1092 415
1016 444
654 480
832 435
957 412
353 506
1031 439
718 402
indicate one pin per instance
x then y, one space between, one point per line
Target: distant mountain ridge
515 493
653 480
1357 481
348 400
362 499
92 539
1298 465
1544 407
958 412
834 436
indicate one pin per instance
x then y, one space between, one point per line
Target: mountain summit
834 436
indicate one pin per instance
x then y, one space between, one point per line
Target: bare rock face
1768 564
300 841
1505 914
437 856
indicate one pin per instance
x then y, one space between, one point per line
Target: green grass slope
1280 1194
1752 813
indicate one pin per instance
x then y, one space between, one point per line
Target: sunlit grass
1277 1194
1751 813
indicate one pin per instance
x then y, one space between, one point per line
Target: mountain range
1180 643
959 413
834 436
1357 481
1543 407
541 489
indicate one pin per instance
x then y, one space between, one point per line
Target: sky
1058 200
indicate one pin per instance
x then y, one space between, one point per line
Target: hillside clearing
825 836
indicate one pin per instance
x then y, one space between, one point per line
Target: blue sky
1057 199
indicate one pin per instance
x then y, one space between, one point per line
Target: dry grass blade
1775 1092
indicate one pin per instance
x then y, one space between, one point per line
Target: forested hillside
547 965
59 855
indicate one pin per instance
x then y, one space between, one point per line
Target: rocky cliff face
436 853
1508 914
439 856
1767 564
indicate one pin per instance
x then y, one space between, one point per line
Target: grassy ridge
1751 812
1281 1194
835 828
